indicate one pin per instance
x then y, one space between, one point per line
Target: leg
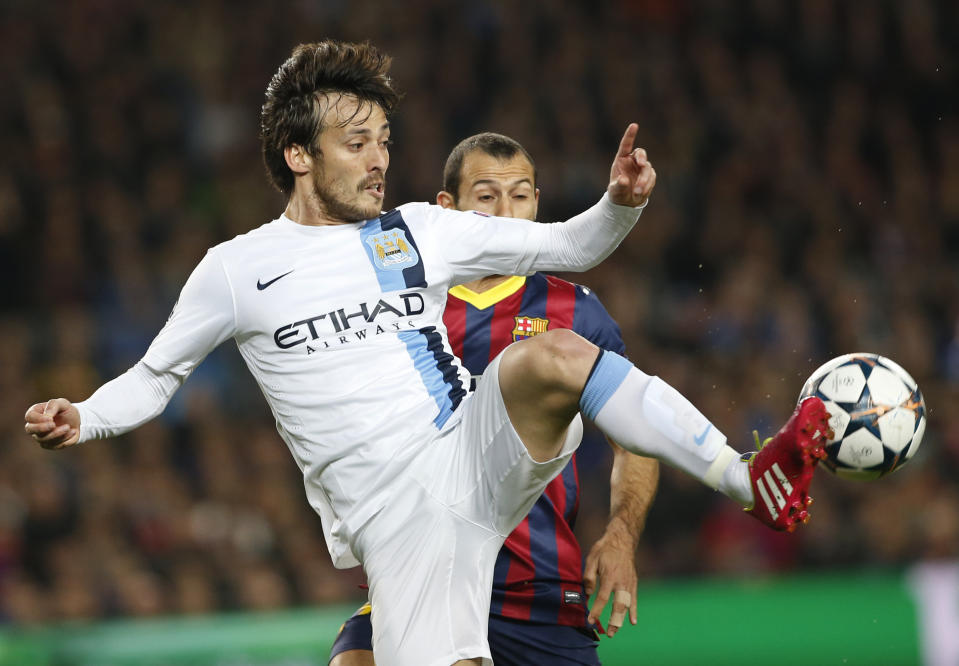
429 553
542 379
354 642
430 574
353 658
545 379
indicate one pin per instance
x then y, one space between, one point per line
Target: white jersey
342 328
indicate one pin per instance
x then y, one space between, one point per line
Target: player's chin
358 211
370 210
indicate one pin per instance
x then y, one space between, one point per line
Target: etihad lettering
345 325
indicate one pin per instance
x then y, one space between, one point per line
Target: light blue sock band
608 373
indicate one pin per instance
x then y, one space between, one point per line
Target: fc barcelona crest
527 327
392 251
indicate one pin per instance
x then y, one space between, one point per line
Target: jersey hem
465 653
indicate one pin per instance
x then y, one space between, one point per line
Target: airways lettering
338 320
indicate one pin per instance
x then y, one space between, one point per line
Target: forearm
126 402
585 240
633 485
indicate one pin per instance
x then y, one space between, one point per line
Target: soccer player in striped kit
538 613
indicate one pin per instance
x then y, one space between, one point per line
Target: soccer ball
878 415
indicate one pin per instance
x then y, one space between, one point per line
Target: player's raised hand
54 424
632 176
611 562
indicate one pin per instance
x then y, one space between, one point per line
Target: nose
380 160
504 207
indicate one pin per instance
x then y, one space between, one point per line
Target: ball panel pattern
876 411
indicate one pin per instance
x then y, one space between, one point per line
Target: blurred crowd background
807 205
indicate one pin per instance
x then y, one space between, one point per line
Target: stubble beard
333 202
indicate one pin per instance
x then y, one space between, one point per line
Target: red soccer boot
782 469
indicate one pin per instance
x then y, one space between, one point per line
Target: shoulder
272 229
414 211
429 212
587 295
553 281
413 206
256 251
582 293
273 237
417 216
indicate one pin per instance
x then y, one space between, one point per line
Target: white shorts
429 554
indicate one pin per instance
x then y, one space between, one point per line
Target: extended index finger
626 143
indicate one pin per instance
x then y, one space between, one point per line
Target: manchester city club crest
392 251
527 327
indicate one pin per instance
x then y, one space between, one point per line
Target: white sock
647 416
736 483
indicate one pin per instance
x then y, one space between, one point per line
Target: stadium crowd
807 206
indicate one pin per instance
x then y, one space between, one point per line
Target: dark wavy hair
298 97
495 145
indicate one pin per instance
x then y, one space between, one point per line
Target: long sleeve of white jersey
475 245
202 318
583 241
128 401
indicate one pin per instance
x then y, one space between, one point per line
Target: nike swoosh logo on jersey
702 436
263 285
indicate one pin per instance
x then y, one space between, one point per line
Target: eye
485 197
387 143
521 197
356 147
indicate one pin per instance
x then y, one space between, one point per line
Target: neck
309 210
485 283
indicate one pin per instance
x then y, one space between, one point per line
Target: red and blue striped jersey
539 571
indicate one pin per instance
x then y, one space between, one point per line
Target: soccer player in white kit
337 307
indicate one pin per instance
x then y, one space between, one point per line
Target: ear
298 159
445 199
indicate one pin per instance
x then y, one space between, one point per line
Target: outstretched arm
117 407
475 247
202 318
611 563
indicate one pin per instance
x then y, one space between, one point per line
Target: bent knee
563 341
559 344
559 358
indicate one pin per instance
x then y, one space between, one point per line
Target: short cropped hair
495 145
298 95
